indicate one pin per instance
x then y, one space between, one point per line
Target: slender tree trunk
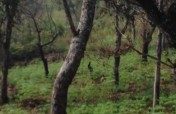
116 52
156 93
44 60
73 59
10 8
4 95
145 46
147 37
117 47
5 67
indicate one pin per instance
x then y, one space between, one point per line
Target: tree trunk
117 47
73 59
10 8
147 37
116 52
5 67
44 60
156 93
145 49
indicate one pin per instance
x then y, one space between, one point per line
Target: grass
92 92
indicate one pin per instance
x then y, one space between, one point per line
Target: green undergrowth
93 90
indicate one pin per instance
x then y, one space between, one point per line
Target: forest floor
92 92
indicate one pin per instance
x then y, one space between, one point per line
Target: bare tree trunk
147 37
44 60
4 95
156 93
10 7
116 52
117 48
73 59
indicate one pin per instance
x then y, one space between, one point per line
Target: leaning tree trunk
156 92
73 59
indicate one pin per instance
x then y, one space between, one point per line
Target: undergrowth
92 92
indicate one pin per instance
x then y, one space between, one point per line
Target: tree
73 58
165 20
122 10
34 16
118 48
10 11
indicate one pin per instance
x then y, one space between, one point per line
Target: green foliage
31 81
12 109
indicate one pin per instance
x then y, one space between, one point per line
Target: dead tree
73 58
156 92
10 10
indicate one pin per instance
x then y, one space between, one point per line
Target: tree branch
37 29
152 57
53 38
69 18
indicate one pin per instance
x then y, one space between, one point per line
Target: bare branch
37 29
53 38
69 17
32 16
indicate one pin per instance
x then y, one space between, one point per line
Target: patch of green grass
12 109
94 92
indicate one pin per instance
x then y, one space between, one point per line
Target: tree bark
156 93
73 59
